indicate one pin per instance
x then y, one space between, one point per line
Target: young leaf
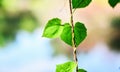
66 35
80 3
82 70
80 32
53 28
113 3
66 67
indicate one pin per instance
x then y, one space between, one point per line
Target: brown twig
73 37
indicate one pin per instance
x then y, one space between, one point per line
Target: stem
73 37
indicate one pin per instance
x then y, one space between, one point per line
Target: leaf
66 67
80 32
66 35
82 70
80 3
113 3
53 28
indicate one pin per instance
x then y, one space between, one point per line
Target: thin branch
73 37
71 20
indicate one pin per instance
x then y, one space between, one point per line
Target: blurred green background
22 49
12 20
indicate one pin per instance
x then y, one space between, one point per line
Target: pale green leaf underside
80 32
53 28
80 3
82 70
113 3
53 31
66 67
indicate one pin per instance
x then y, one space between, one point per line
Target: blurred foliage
116 23
114 41
11 23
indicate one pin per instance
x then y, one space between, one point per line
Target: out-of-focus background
22 49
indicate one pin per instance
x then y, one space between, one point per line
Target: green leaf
53 28
82 70
113 3
80 32
66 35
80 3
66 67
